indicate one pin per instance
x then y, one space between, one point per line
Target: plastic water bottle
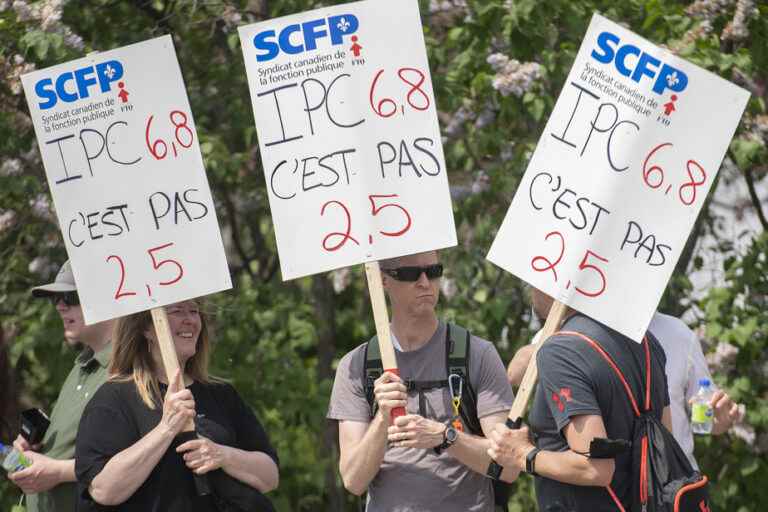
12 459
701 410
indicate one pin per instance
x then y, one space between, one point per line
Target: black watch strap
530 461
446 443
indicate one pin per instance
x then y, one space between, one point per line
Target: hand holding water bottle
12 459
713 412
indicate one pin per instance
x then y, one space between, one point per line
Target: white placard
123 163
348 133
619 175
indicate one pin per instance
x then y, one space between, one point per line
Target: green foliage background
279 342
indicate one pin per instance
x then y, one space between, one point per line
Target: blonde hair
132 360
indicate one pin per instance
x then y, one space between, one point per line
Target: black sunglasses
413 274
68 298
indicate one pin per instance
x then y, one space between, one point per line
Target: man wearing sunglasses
49 482
422 462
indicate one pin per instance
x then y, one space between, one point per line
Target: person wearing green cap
49 482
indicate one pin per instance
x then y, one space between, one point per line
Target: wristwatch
450 435
530 461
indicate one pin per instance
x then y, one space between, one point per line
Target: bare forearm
472 451
127 471
256 469
571 468
67 471
360 465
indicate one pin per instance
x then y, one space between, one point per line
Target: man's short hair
391 263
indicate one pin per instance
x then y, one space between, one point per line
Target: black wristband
530 461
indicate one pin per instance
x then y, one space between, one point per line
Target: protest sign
123 163
618 177
350 142
348 133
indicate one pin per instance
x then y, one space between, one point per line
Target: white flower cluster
745 432
757 128
448 287
231 16
707 10
455 127
737 29
41 207
48 14
7 220
11 71
480 183
486 117
42 266
10 167
507 152
447 6
341 279
723 358
513 76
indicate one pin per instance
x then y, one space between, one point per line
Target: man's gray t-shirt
411 479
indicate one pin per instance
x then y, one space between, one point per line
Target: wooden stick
515 418
381 318
554 319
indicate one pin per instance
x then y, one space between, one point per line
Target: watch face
451 435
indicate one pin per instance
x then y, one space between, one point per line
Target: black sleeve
566 383
105 430
251 436
659 374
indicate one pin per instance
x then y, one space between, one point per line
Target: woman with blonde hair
128 456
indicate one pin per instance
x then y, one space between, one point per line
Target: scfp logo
76 85
644 64
303 37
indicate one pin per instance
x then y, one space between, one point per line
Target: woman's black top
116 418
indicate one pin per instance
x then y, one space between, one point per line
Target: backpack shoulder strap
372 370
457 362
599 349
457 351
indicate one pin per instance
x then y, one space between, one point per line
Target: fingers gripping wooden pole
515 418
381 318
171 365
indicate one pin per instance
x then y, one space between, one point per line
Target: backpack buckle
451 387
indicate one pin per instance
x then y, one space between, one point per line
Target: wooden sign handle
515 418
381 318
171 364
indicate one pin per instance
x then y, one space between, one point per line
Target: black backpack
663 479
456 362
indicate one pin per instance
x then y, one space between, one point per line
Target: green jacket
87 375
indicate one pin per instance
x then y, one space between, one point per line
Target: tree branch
755 199
229 206
749 178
